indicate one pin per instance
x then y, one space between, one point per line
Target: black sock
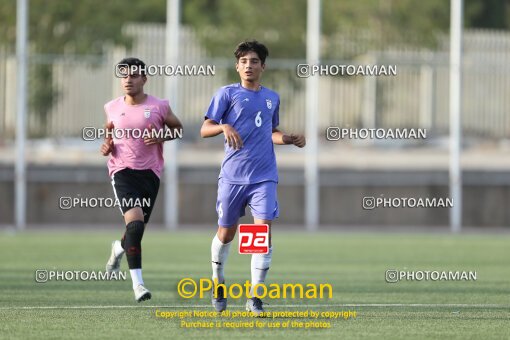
133 244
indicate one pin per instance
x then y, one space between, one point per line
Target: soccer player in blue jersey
247 114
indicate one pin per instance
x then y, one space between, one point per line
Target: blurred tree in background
222 24
60 27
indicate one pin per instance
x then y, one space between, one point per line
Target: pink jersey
130 152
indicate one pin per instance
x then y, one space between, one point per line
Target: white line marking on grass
424 305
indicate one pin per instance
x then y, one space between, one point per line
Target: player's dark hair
130 61
252 46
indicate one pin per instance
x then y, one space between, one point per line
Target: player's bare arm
171 122
107 146
281 138
210 129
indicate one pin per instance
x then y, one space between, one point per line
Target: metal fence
416 98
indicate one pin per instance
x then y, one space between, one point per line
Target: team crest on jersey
147 113
269 104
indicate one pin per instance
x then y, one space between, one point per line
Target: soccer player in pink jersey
137 125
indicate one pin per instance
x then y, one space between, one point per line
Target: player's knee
133 215
225 238
226 235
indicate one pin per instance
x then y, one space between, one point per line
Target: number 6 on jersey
258 119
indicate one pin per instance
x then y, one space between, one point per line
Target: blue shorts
233 198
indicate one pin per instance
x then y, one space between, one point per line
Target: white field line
419 305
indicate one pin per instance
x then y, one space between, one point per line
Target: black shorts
136 188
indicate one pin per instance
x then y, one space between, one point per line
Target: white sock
260 264
136 277
219 254
117 248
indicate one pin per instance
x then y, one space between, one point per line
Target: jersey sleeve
276 115
219 106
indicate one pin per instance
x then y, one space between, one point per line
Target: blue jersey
254 115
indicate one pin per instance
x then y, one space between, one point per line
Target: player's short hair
131 61
252 46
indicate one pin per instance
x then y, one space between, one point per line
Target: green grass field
354 264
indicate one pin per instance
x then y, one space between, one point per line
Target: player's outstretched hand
152 140
298 140
107 146
232 137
